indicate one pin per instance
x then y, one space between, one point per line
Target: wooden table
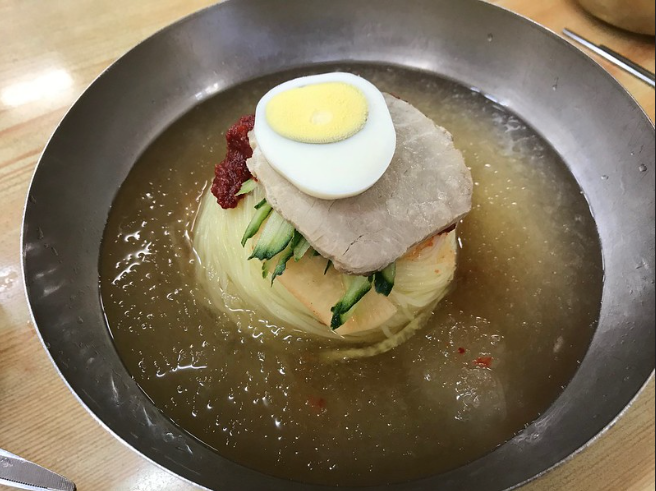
49 52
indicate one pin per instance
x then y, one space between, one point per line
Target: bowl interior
601 133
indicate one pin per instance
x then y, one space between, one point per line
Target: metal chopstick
615 58
632 64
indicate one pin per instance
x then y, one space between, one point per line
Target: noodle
234 284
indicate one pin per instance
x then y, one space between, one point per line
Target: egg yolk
320 113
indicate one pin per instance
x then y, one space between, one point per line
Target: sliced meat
426 189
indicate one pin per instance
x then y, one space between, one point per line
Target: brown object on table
632 15
50 52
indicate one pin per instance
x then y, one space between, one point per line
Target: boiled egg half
330 135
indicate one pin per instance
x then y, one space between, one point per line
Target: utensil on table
614 57
22 474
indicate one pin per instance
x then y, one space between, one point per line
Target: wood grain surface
50 50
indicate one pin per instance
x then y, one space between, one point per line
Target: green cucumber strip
265 269
315 253
301 249
384 280
286 255
359 287
247 187
297 238
275 237
325 271
263 211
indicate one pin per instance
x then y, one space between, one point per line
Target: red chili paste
230 174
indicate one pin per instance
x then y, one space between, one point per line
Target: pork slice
426 189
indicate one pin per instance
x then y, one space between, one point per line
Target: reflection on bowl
633 15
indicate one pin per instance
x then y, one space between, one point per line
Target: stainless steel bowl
590 120
632 15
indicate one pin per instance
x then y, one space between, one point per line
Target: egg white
331 170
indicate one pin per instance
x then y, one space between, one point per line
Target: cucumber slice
265 269
277 235
384 280
263 210
247 187
286 255
360 286
301 249
282 263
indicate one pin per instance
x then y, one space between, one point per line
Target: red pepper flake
462 351
484 361
317 403
230 174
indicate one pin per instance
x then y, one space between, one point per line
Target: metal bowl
632 15
590 120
